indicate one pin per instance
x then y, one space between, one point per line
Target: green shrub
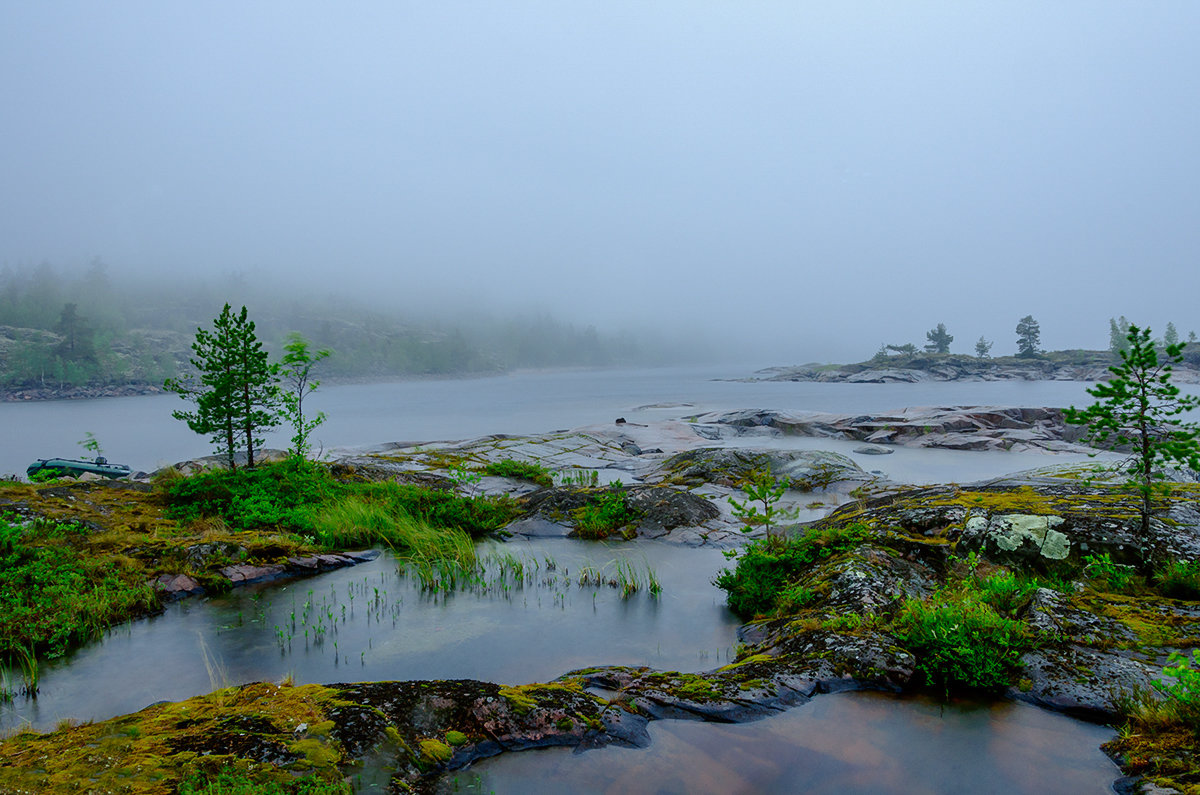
1108 576
1179 580
768 566
289 494
1006 592
961 641
604 515
524 470
273 495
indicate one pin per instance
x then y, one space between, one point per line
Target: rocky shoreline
21 394
933 368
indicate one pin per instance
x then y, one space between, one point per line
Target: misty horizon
777 182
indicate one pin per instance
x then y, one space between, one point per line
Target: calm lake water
140 432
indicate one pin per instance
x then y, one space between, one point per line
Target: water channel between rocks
540 625
312 629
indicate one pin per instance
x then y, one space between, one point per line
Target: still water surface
140 432
840 744
369 622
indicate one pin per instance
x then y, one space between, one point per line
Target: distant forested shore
89 334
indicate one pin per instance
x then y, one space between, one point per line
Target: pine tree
1139 406
1028 337
983 348
236 396
939 340
1171 336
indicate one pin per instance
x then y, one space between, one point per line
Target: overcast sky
812 178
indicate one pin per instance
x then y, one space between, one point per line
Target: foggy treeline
61 328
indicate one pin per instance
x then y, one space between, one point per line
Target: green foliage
1138 408
961 641
474 516
770 567
53 599
1118 333
762 487
273 495
236 396
584 478
1005 592
91 444
295 370
1029 335
1179 580
524 470
983 348
359 521
47 474
604 514
288 495
1183 693
1108 576
466 479
939 339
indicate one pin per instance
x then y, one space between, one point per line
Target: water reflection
842 743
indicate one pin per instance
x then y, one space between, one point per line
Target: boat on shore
60 467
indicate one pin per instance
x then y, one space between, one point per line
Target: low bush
770 566
289 494
1005 592
604 515
270 495
1104 575
961 641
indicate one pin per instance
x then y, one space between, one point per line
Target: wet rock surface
949 427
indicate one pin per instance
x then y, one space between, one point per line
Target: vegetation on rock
1139 408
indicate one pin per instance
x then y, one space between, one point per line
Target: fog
803 180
